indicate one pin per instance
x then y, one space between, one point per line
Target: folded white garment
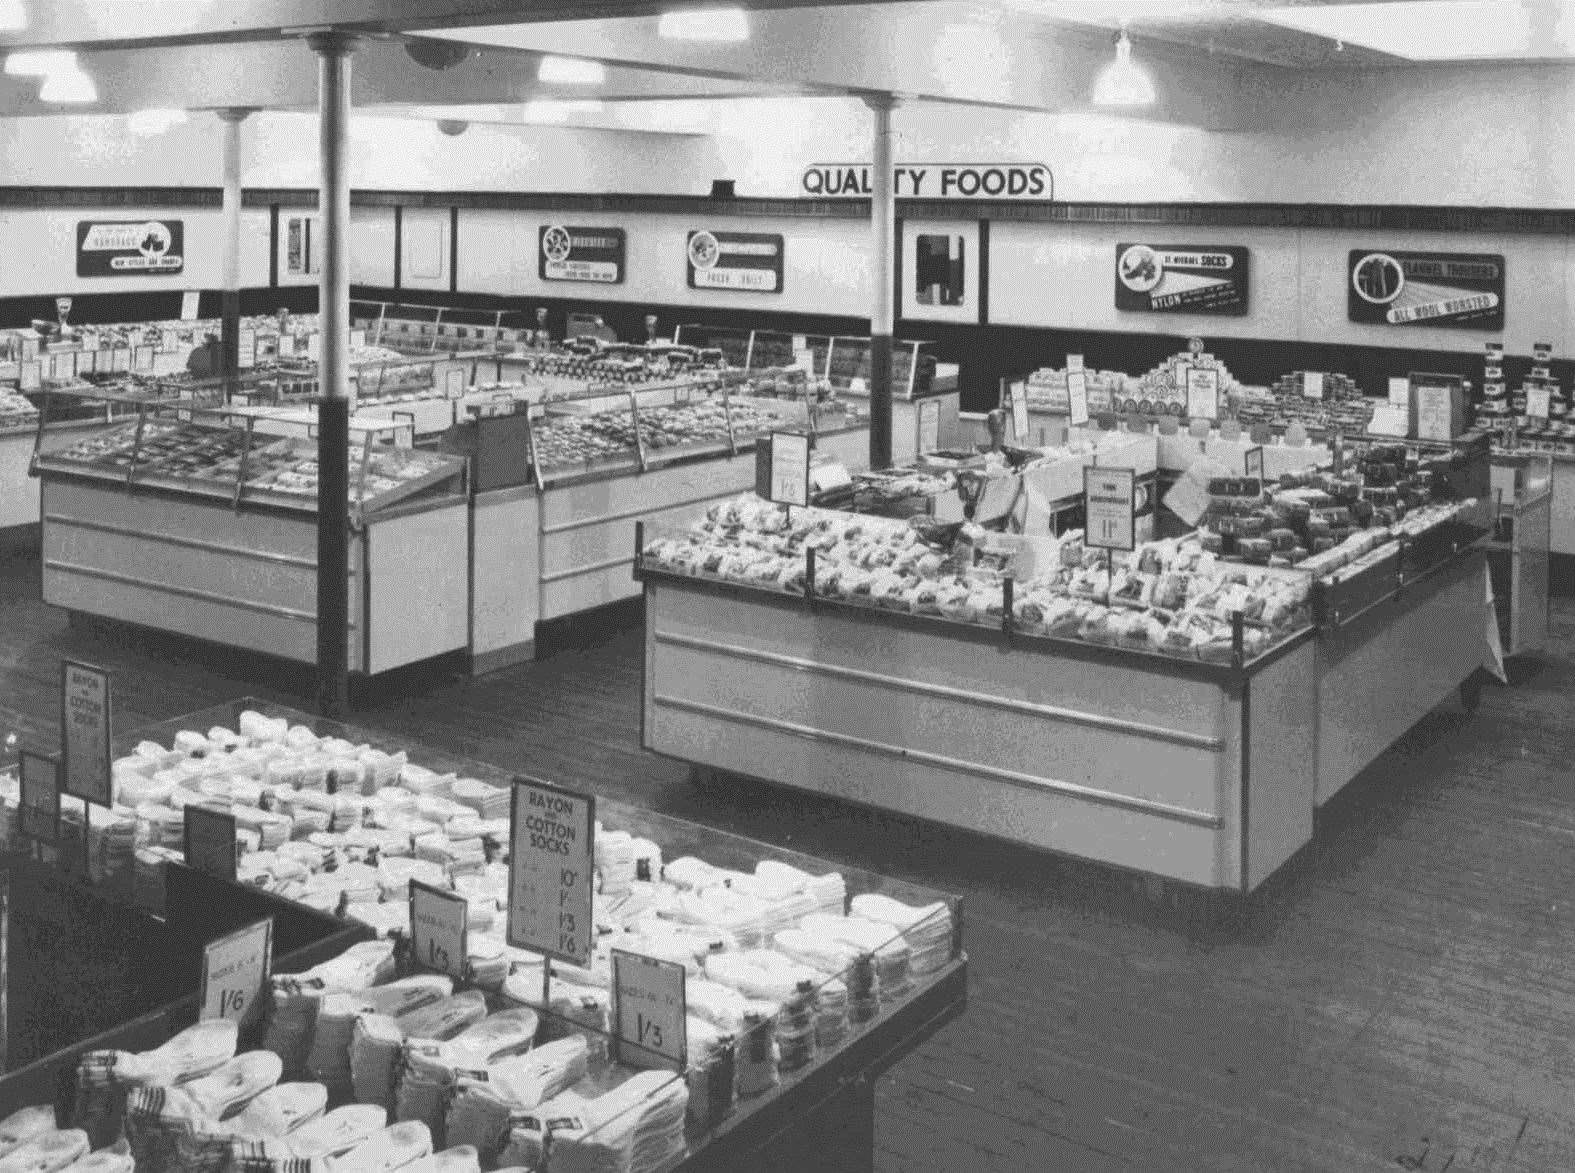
340 1130
24 1124
195 1051
280 1110
46 1152
455 1159
445 1018
103 1162
397 1147
638 1126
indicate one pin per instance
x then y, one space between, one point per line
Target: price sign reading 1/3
84 732
552 865
1077 398
650 1011
210 841
789 468
439 929
1253 459
1110 508
235 971
40 808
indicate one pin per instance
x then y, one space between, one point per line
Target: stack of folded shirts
484 1110
890 949
431 1069
927 928
636 1127
397 1147
488 801
615 861
46 1152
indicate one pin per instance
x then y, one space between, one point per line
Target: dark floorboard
1402 998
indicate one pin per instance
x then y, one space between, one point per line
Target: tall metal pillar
333 372
230 286
883 226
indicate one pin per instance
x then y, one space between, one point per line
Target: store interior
1258 868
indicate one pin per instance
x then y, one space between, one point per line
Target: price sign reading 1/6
1110 508
552 865
84 732
650 1011
234 973
439 929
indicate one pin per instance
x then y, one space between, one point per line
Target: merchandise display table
1202 773
814 1110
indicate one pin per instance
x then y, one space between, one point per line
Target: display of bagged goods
16 410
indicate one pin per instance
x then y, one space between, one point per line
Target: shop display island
559 490
182 520
804 980
1166 711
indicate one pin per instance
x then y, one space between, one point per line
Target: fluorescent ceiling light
1440 30
150 123
40 62
68 85
552 110
1123 82
12 16
571 71
705 24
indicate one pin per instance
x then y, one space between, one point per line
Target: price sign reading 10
552 871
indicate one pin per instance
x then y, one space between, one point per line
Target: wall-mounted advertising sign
1454 290
566 253
1181 278
745 262
933 181
130 248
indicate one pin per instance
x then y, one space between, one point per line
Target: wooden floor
1403 998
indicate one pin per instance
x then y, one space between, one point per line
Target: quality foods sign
130 248
745 262
582 254
934 181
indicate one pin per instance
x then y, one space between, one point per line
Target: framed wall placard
1181 279
130 248
940 271
741 262
1450 290
568 253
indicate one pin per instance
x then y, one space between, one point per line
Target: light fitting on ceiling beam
730 25
571 71
13 16
453 127
1123 82
68 85
39 62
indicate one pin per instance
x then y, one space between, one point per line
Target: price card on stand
1019 411
1400 391
1074 363
650 1011
1076 398
1110 508
552 869
1253 461
1312 384
1390 420
40 802
929 426
1434 411
210 841
85 732
189 300
1537 401
789 468
439 929
1203 393
235 971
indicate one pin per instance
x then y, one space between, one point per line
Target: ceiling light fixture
12 16
729 25
40 62
151 123
571 71
1124 82
68 85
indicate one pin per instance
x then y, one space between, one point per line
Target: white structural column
230 285
883 227
333 372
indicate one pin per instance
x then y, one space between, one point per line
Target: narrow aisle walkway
1402 999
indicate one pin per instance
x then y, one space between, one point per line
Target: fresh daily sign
934 181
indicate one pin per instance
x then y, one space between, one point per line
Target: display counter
1189 732
179 521
781 1058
